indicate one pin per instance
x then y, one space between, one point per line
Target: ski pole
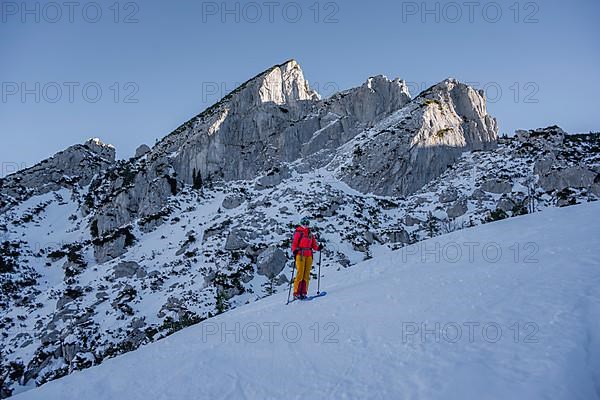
291 281
319 277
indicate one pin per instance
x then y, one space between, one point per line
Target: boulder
128 269
505 204
64 300
458 209
372 237
273 178
479 194
236 240
448 196
110 249
399 236
142 150
496 186
544 164
233 201
409 220
69 348
271 262
570 177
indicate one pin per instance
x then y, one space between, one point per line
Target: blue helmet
305 221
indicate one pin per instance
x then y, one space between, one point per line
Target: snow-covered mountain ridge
101 256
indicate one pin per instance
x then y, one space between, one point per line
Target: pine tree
222 303
270 286
432 225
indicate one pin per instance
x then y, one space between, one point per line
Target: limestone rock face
337 120
285 84
417 143
268 121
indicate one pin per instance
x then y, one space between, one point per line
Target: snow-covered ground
503 310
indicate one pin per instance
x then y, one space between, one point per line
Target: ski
309 298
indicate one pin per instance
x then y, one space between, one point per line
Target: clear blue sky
545 59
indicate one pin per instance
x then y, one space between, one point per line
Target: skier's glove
321 247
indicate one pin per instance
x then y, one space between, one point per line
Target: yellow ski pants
303 266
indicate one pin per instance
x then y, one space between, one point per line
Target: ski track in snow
371 305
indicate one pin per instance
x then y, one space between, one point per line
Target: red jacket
304 242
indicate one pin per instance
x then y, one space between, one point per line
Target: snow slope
526 300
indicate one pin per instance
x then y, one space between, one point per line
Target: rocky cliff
274 119
418 142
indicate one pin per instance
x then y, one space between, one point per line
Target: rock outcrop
418 142
142 150
75 166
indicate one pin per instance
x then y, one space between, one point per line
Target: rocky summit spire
285 84
282 84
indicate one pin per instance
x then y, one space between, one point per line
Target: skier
303 245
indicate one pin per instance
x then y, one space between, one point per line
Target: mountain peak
291 62
98 142
284 84
104 150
